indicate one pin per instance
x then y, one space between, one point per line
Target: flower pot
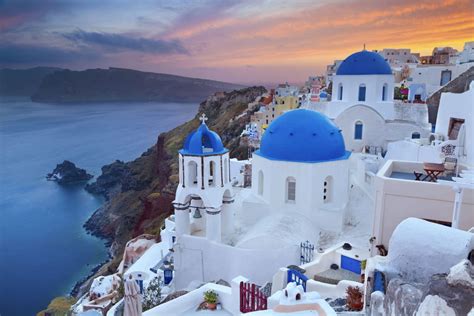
211 306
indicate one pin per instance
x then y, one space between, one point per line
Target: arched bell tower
204 193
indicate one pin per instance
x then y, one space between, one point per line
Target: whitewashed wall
200 259
310 178
398 199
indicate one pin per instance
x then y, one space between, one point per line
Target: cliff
139 193
22 82
124 85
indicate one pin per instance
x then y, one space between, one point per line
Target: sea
44 249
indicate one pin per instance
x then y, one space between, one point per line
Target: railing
306 252
251 298
297 277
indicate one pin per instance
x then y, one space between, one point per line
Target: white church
363 106
300 182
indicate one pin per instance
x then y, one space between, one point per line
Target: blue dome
323 95
303 136
364 63
203 142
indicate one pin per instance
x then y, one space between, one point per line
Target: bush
152 296
354 298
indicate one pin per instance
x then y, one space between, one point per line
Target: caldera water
44 249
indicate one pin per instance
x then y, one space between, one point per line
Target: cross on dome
203 118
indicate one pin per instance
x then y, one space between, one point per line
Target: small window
362 90
454 127
384 92
290 189
358 130
415 135
340 92
445 77
260 182
327 190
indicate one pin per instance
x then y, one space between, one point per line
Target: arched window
212 173
358 130
362 90
290 189
340 91
327 190
384 92
415 135
192 173
260 182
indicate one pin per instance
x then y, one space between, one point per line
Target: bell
197 213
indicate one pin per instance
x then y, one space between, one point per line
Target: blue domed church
362 104
302 167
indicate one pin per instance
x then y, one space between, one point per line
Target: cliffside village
356 199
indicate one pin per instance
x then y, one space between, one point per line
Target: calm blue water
43 247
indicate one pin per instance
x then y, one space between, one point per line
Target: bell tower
204 194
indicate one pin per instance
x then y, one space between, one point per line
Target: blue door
350 264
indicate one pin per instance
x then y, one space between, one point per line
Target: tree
152 296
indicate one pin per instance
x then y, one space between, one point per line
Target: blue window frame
358 129
362 89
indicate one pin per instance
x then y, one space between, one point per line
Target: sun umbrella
132 300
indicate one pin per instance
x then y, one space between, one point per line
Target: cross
203 118
364 46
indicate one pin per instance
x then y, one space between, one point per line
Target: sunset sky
255 41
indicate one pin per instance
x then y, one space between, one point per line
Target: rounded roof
303 136
203 142
364 63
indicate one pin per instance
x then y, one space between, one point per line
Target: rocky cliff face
139 193
117 84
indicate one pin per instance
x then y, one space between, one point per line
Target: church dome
364 63
303 136
203 142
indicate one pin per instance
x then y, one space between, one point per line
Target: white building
399 56
454 130
302 167
204 185
300 179
362 105
467 54
435 76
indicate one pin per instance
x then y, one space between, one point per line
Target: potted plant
211 297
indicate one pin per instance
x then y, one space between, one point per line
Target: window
362 92
445 77
358 130
340 92
260 182
290 189
327 190
192 173
415 135
212 173
384 92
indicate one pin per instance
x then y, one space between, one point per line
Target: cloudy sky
254 41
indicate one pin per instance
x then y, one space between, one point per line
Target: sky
254 41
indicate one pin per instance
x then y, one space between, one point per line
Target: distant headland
44 84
